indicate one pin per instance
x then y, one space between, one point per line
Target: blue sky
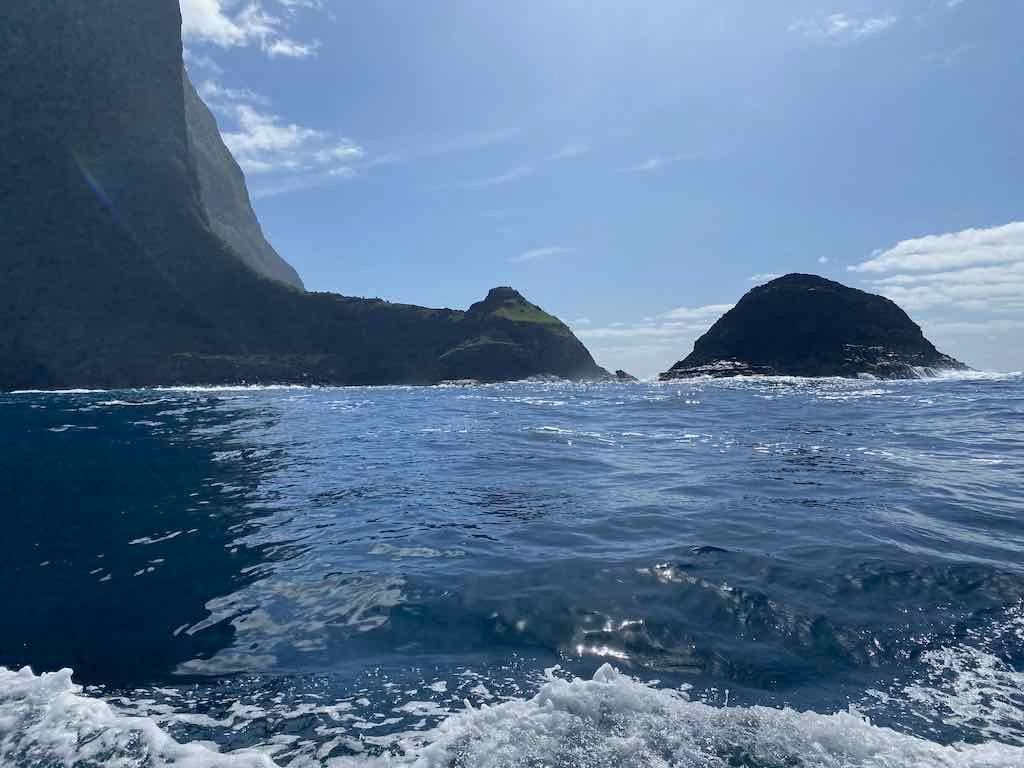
635 168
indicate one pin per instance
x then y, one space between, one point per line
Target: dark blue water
741 573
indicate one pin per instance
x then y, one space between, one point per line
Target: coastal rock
805 325
626 378
130 256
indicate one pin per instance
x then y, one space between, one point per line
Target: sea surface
755 573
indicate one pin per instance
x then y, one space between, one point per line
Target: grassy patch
526 313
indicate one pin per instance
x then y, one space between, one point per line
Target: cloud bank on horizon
427 154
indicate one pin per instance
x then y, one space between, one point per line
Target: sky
635 168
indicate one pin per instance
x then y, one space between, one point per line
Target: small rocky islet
806 325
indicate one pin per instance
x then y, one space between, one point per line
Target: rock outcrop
805 325
129 255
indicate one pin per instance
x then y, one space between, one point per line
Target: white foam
615 721
46 721
609 721
57 391
967 686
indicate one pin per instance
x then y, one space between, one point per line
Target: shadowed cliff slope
115 265
805 325
225 197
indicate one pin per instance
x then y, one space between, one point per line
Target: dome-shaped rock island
805 325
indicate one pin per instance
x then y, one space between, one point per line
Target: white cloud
968 286
290 48
656 162
278 155
979 289
655 344
976 270
540 253
974 327
291 6
842 27
650 164
229 24
264 142
570 151
696 314
197 61
219 97
764 277
823 259
955 250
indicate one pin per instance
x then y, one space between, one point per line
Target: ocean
755 573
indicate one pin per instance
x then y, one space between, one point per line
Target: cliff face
804 325
224 196
128 251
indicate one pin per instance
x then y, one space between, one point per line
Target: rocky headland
130 254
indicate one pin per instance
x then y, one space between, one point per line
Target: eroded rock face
805 325
129 255
224 196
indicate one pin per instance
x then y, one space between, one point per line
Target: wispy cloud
218 23
570 151
429 147
656 162
842 27
540 253
199 62
292 6
263 142
277 155
513 174
221 98
482 140
764 277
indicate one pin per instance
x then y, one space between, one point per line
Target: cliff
129 255
224 196
805 325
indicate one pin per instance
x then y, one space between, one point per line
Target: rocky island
805 325
130 254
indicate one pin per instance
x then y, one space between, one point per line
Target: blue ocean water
758 573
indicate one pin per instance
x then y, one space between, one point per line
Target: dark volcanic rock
516 340
805 325
224 196
626 378
129 256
